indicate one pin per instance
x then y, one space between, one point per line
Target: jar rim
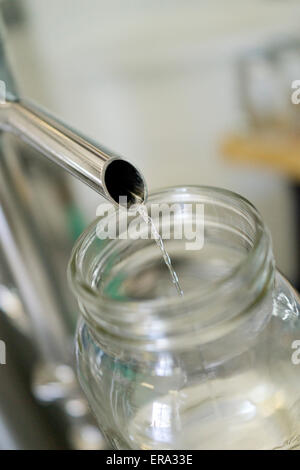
257 252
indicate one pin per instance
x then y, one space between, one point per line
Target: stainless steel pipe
106 173
36 237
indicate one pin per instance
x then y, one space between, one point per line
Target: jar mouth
243 277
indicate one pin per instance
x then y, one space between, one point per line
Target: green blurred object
75 221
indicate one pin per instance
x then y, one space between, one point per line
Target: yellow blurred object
280 151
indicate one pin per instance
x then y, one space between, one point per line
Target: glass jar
216 368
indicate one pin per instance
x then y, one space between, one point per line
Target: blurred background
194 92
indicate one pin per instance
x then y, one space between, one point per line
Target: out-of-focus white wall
156 82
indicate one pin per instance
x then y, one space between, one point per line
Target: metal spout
107 174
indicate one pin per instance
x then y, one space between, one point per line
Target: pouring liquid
142 210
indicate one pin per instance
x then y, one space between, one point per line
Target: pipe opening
123 179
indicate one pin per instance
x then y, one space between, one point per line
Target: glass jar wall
217 368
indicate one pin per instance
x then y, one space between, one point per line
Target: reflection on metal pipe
107 174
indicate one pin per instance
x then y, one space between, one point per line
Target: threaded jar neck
228 282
